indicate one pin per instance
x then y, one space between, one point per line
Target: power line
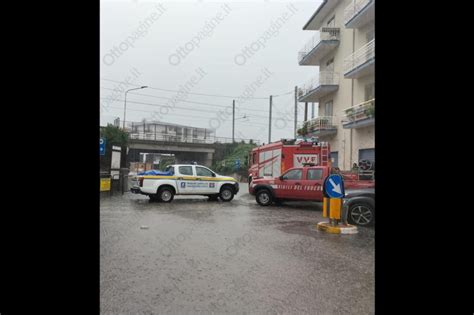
185 101
189 109
290 92
202 94
180 115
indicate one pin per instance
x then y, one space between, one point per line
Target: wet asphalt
195 256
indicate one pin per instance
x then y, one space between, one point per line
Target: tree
114 135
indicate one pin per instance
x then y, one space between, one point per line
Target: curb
341 229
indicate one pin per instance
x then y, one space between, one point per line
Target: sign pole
333 192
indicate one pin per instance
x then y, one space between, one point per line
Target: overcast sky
232 49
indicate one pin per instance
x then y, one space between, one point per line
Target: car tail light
140 181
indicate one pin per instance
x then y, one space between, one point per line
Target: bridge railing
183 139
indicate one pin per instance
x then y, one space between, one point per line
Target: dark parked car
359 205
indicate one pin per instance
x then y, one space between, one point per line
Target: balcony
319 46
361 115
318 127
359 13
361 62
312 91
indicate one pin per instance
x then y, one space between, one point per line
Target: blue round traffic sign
334 186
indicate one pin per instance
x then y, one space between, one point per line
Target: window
315 174
293 174
170 169
201 171
186 170
254 158
370 91
328 109
330 65
370 35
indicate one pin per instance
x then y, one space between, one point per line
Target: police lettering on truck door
205 183
185 179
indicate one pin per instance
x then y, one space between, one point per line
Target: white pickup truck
185 179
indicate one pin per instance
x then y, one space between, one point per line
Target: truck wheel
226 194
264 197
361 214
165 194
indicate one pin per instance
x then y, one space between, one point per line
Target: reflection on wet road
200 256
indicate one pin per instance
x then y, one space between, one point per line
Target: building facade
342 52
161 131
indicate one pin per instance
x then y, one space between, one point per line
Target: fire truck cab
273 159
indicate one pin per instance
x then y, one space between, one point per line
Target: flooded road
198 256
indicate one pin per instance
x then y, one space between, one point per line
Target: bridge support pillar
208 160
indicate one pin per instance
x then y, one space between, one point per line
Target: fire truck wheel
264 197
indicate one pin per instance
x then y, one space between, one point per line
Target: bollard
333 192
325 207
335 208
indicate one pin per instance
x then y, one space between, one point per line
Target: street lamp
125 104
233 125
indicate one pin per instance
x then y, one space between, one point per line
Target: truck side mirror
213 174
281 177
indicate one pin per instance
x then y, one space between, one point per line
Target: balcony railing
325 78
354 8
326 34
363 112
361 56
319 126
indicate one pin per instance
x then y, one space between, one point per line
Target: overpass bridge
185 150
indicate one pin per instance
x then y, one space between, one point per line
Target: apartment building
161 131
342 52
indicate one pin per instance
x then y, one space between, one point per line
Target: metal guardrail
327 33
360 56
325 78
183 139
354 8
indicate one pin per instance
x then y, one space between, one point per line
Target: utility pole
270 122
306 111
233 120
296 107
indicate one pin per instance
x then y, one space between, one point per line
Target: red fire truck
273 159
